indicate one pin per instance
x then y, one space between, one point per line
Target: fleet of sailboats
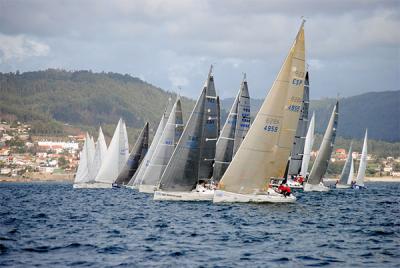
200 161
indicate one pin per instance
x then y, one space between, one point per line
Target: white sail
363 162
82 173
117 155
308 147
264 151
99 155
351 175
138 177
91 149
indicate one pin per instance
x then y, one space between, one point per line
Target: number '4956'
271 128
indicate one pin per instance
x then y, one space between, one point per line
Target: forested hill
50 98
377 111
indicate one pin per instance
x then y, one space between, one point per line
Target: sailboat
297 153
318 170
136 156
99 155
82 173
264 151
308 147
115 159
363 165
235 129
165 147
191 163
347 172
136 180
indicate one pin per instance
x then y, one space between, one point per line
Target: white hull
315 188
148 189
184 196
269 197
343 186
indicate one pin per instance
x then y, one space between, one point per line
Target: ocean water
52 225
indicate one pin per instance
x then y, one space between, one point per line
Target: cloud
21 47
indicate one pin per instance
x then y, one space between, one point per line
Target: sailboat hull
315 187
148 189
268 197
343 186
133 187
184 196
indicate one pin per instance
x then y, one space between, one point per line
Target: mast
264 151
320 165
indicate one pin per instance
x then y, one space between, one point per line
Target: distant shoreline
69 177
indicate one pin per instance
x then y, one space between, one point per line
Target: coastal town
26 157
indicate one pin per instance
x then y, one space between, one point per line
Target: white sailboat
138 177
82 173
315 179
308 147
363 165
347 173
115 159
264 151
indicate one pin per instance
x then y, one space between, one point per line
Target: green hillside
49 99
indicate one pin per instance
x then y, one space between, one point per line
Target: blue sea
52 225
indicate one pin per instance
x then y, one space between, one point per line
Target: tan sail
264 152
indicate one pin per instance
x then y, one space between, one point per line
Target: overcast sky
352 46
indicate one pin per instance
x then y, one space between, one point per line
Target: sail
166 145
193 156
351 175
235 129
308 147
325 150
82 173
136 156
296 156
138 177
346 171
117 155
264 151
363 162
99 155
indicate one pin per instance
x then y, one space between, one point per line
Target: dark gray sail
320 165
346 168
235 129
136 156
165 147
296 156
190 159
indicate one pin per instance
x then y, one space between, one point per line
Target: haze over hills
377 111
49 99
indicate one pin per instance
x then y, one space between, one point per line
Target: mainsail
116 157
99 155
82 173
325 150
347 174
136 156
308 147
166 145
193 156
235 129
138 177
296 156
264 151
363 162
